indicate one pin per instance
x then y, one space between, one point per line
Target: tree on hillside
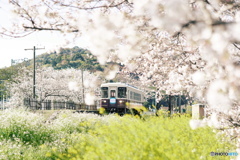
180 46
77 56
70 58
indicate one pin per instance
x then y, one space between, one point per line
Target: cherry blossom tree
62 85
189 46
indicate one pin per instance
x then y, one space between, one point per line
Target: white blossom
198 78
89 99
73 86
217 96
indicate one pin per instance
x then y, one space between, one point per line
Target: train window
137 96
112 94
104 92
122 92
131 95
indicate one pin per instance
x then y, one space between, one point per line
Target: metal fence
56 105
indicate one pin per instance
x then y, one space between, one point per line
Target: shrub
27 127
26 135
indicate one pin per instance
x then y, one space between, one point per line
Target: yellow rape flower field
26 135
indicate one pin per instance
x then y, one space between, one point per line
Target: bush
26 135
26 127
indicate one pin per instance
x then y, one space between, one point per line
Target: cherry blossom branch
236 45
14 35
112 5
25 11
47 29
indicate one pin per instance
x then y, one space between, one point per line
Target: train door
113 102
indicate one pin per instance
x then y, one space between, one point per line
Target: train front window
122 92
112 94
104 92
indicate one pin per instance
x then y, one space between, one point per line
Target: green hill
75 57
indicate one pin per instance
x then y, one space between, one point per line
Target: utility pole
34 69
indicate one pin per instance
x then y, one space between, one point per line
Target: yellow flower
48 154
102 110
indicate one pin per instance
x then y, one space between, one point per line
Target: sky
14 48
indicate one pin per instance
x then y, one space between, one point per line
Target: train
121 97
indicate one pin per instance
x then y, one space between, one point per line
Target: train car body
120 97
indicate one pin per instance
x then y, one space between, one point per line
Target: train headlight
120 101
104 101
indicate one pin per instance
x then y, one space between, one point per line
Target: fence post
52 104
65 105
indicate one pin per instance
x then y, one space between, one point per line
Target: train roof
119 84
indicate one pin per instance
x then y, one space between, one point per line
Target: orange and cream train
121 97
